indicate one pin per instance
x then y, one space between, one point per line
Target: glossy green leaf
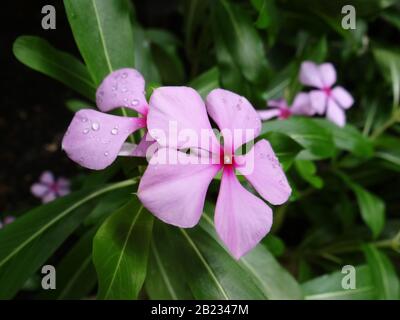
329 287
206 82
307 170
285 148
317 140
103 33
76 276
41 56
75 105
260 265
26 244
348 138
120 251
241 39
383 273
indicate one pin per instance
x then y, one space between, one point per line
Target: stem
392 120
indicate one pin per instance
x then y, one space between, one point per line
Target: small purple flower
329 99
280 109
48 188
6 220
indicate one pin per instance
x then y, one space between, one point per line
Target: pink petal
122 88
39 189
335 113
310 75
47 178
145 145
1 225
318 101
94 139
49 197
277 103
175 111
328 74
241 219
263 170
235 115
63 182
302 105
175 192
63 191
8 219
269 114
342 97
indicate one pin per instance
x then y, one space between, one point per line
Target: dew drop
124 89
86 131
84 119
135 102
114 131
114 87
124 75
106 153
95 126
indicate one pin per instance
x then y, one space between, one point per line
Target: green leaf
285 148
103 33
307 170
76 276
372 207
75 105
268 275
206 82
348 138
120 251
383 273
388 148
241 40
27 243
389 60
307 132
41 56
329 287
164 275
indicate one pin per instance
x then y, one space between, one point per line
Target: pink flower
175 192
6 220
48 188
280 109
94 139
329 99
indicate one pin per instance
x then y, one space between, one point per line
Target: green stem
390 122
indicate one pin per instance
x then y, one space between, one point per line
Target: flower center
327 91
285 113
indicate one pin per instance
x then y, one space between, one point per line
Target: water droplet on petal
106 154
95 126
86 131
135 102
84 119
124 75
124 89
114 131
114 87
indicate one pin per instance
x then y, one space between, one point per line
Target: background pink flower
49 188
329 99
175 193
6 220
279 108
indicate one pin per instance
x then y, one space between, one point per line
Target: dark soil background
33 116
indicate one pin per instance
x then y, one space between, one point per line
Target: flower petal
49 197
47 178
122 88
235 115
277 103
8 219
342 97
263 170
310 75
269 114
302 105
318 101
63 191
179 114
144 146
175 192
328 74
335 113
94 139
39 189
241 219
